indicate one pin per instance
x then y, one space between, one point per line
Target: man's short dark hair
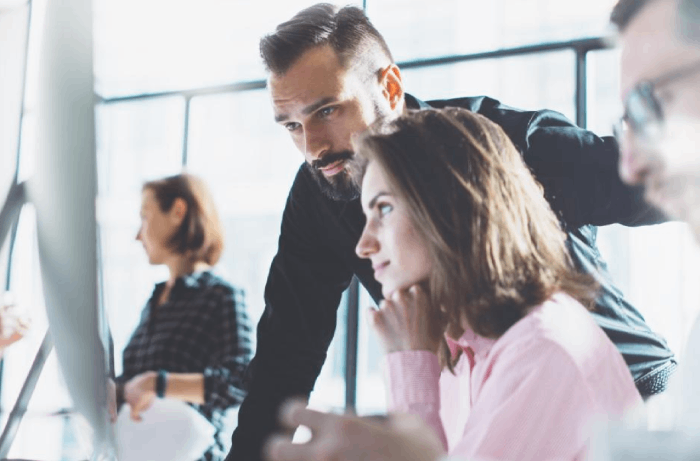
347 30
625 11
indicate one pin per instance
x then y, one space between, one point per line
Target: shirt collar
470 341
191 280
414 103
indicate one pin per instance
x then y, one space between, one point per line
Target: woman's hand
140 392
13 325
405 322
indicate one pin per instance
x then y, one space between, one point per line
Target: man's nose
316 144
637 160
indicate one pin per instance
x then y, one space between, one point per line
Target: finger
415 291
16 336
294 413
378 321
280 448
374 315
395 296
135 415
23 324
404 421
400 298
388 306
112 407
145 403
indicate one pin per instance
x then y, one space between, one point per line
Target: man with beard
660 89
331 75
659 136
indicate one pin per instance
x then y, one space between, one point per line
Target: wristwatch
161 383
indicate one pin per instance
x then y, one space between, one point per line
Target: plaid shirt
202 328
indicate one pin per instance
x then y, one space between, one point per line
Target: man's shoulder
480 104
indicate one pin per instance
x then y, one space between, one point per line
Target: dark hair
347 30
625 11
200 235
498 249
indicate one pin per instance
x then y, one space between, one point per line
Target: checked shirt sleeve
223 377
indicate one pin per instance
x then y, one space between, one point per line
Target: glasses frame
643 110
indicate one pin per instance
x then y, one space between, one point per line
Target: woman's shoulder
560 323
214 284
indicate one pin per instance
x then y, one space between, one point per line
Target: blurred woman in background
193 340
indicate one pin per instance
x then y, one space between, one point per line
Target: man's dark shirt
316 260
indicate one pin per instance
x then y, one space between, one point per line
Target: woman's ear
178 211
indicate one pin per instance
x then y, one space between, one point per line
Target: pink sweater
531 394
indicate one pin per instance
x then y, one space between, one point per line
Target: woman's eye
385 209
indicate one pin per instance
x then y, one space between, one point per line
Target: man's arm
302 294
577 169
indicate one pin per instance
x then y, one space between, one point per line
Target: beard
339 187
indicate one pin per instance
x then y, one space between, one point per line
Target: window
548 77
136 141
419 29
165 45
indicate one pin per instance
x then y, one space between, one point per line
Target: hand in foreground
140 392
13 325
349 438
405 322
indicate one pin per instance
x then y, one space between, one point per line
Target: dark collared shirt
203 327
316 260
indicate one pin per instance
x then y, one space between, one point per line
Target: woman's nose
368 244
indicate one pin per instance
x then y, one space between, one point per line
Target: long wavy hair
498 249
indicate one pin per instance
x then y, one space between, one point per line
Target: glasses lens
643 113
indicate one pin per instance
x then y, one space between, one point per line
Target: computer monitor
63 191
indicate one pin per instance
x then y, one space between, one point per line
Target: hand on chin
404 321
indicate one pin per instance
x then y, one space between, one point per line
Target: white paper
169 431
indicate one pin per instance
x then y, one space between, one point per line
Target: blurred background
180 83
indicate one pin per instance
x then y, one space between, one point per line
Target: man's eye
326 111
293 126
385 209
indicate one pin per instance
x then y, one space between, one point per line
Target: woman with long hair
484 321
193 341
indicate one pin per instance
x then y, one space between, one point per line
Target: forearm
187 387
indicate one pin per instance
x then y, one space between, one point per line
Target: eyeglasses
644 114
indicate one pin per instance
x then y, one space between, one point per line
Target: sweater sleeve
413 383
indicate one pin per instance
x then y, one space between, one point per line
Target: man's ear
392 86
178 210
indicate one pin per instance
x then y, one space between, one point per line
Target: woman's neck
183 266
